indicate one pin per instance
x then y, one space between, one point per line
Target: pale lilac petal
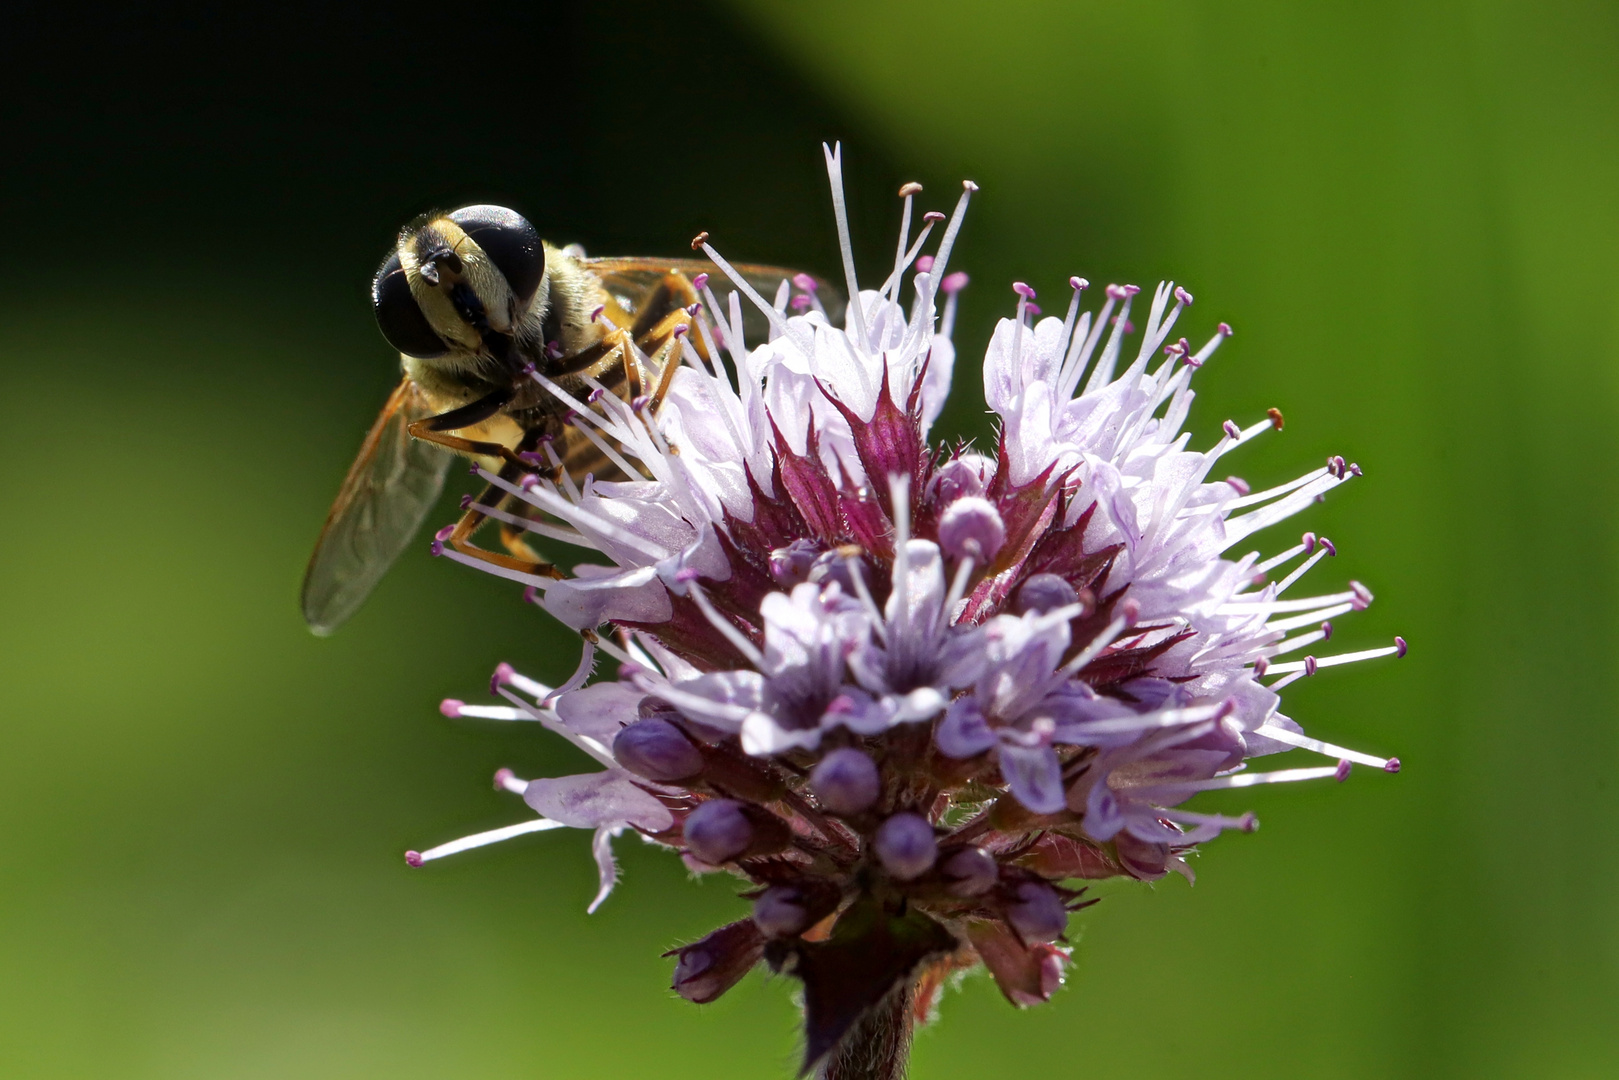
762 736
591 800
600 710
964 731
1034 775
600 594
601 846
1104 817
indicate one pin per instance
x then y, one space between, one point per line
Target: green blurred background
1409 212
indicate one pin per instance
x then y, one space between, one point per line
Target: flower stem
878 1047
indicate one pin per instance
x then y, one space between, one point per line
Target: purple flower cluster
908 692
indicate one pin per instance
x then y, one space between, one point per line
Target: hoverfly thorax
465 289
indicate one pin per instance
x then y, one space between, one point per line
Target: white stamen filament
1246 823
561 470
579 517
553 532
936 275
1335 661
899 494
834 172
1240 528
493 712
900 262
493 836
608 452
541 583
719 622
1164 718
697 704
1247 779
1277 560
879 624
584 413
1110 352
1309 617
1304 742
1279 490
1293 643
547 718
906 257
532 687
1084 347
1304 568
777 323
1243 606
1094 649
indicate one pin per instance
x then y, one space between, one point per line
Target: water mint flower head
910 694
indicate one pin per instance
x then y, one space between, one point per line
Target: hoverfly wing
632 281
389 489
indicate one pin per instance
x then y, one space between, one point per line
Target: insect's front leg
435 429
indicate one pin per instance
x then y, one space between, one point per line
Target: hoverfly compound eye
399 316
511 244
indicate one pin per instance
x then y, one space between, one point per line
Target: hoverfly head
462 282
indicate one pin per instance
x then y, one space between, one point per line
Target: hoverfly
471 299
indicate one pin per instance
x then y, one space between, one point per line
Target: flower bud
708 968
1044 592
657 750
718 831
791 565
846 781
972 528
1038 913
906 846
834 567
970 872
781 911
961 476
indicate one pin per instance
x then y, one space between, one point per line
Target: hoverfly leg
674 291
422 429
512 537
474 412
522 558
662 346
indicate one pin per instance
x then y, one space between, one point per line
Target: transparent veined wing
387 493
